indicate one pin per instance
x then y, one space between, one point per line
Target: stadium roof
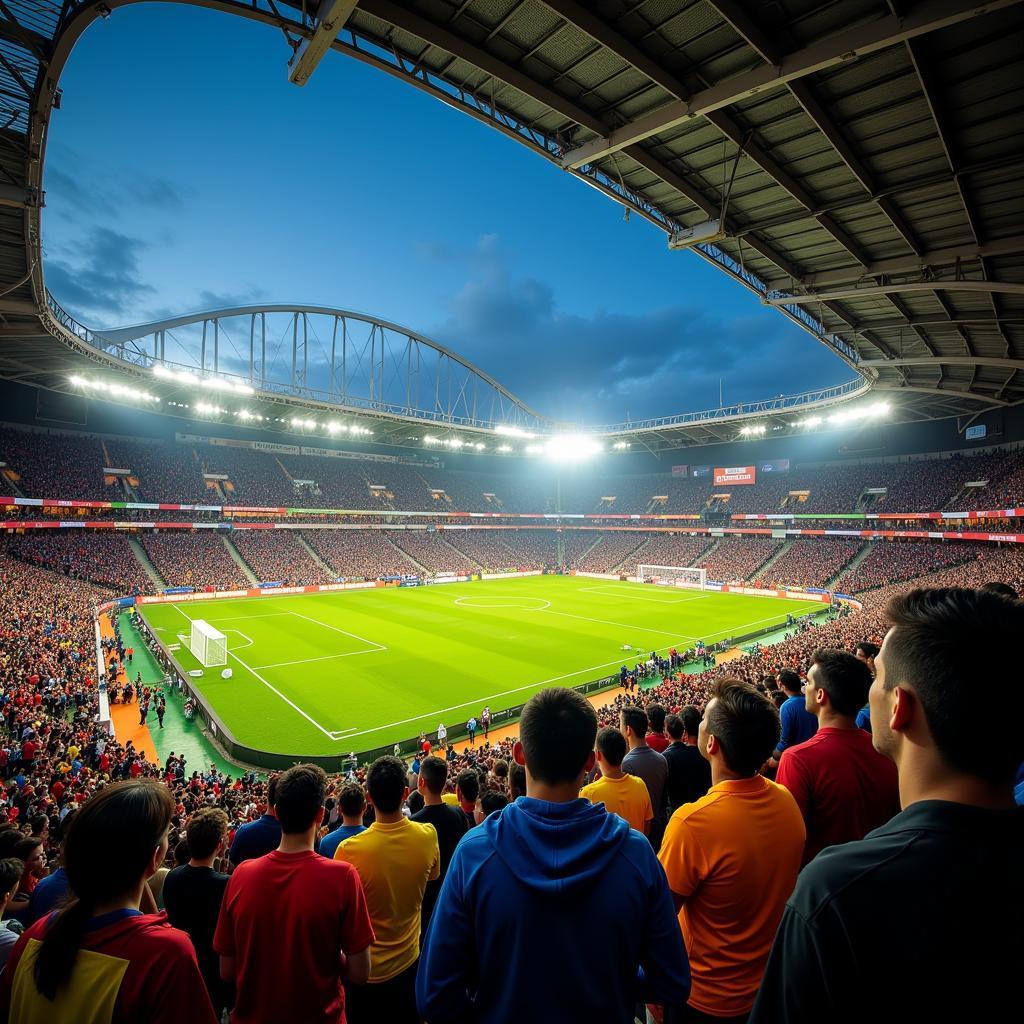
857 165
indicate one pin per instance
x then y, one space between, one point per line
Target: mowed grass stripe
379 665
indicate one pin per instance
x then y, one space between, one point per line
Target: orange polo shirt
734 855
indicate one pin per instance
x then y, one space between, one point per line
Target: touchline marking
269 686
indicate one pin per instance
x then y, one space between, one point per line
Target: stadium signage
735 475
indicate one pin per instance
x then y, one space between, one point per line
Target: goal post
208 645
673 576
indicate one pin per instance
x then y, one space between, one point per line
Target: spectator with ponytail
100 958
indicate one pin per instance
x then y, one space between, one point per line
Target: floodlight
699 234
504 447
571 448
508 431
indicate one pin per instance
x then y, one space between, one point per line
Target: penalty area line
312 721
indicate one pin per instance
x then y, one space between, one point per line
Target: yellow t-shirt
450 798
627 797
395 861
734 854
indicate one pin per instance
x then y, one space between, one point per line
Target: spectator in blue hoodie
552 910
798 724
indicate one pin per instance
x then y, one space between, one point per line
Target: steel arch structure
862 244
335 357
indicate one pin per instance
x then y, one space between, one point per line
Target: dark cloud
156 193
75 196
606 367
99 275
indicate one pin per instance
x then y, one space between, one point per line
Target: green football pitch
324 674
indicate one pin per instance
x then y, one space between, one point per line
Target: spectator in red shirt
294 915
141 967
842 785
656 738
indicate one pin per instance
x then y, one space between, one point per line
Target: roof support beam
1014 364
930 89
768 49
822 120
928 16
908 316
1008 288
911 264
601 32
944 392
330 19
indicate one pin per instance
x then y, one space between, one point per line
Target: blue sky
184 173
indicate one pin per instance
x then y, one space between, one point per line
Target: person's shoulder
149 930
700 810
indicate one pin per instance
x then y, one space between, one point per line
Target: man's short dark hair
205 831
636 719
656 717
434 773
11 870
299 793
955 649
352 799
612 745
516 779
745 723
468 784
691 719
868 649
386 782
1001 588
778 697
674 727
789 680
492 801
557 730
844 678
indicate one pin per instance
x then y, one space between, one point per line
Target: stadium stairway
144 560
311 551
405 554
862 552
598 539
766 568
239 560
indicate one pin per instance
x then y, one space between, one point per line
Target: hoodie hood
556 849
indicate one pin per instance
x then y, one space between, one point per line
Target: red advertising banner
735 475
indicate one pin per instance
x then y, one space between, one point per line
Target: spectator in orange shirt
732 857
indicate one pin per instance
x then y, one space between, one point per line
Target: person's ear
714 747
902 709
420 784
405 793
319 815
518 754
588 767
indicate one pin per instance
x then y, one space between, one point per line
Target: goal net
209 645
673 576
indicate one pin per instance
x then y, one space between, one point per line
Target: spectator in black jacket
689 772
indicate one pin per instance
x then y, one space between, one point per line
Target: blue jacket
798 724
551 913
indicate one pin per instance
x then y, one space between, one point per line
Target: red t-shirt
842 785
289 915
131 967
657 741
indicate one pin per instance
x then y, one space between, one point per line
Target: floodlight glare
571 448
508 431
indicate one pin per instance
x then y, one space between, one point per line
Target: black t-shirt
451 825
192 898
689 774
922 920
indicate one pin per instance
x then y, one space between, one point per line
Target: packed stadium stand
738 558
812 562
106 559
432 552
193 559
278 556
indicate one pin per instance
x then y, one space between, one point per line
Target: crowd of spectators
100 557
279 556
365 554
433 552
68 465
738 558
812 562
486 548
612 551
893 561
453 828
193 558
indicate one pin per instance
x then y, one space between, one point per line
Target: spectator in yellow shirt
621 794
395 858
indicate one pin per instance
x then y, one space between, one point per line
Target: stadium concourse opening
324 675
